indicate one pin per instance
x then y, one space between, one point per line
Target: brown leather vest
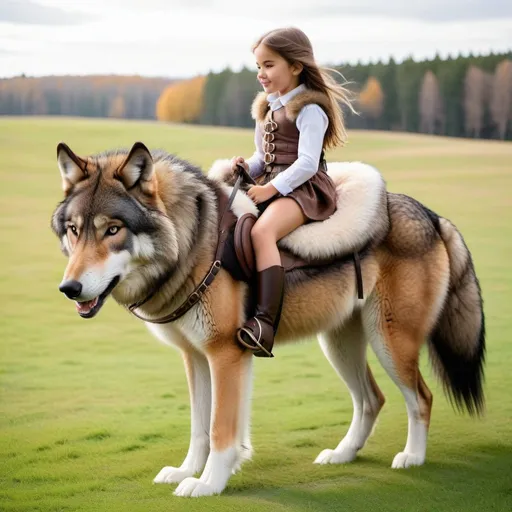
280 133
280 138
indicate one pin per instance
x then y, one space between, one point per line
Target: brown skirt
316 197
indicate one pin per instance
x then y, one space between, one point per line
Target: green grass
92 410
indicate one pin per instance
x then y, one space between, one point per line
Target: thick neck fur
260 108
189 203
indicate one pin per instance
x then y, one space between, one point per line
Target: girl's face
275 74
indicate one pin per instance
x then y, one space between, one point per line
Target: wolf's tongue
85 307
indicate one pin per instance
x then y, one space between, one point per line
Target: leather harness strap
227 219
359 276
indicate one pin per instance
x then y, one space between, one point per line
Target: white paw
404 460
336 456
170 475
194 488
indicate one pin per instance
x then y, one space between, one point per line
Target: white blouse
312 124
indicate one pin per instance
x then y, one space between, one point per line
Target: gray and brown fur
419 286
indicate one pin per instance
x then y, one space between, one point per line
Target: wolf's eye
73 230
112 230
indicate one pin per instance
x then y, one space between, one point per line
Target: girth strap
359 276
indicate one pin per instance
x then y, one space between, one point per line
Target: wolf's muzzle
72 289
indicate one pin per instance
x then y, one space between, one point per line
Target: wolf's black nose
72 289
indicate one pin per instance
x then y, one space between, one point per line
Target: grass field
90 411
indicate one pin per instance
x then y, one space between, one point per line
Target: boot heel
257 334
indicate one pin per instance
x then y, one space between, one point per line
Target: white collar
276 101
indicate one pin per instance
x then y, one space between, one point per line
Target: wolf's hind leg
199 383
398 351
345 348
230 369
419 405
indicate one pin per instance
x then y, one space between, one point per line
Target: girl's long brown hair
295 47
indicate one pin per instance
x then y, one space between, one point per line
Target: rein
225 222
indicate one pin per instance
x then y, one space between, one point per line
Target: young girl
297 116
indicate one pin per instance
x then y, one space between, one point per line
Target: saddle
238 256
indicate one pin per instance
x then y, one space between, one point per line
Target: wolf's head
107 224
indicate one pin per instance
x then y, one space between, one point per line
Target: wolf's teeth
86 306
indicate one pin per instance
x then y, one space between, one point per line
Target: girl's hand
239 160
260 194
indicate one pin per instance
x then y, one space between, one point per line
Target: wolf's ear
137 168
72 168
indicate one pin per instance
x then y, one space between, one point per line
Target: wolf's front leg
231 381
199 384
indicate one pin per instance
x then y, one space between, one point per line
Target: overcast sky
180 38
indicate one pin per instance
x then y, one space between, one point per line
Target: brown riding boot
257 334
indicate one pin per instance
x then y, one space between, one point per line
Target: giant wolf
142 226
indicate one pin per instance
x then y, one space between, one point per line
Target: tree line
464 96
130 97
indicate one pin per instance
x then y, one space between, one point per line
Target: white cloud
431 10
28 12
179 38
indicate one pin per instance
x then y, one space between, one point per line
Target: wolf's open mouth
90 308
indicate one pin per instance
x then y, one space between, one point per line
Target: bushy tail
457 342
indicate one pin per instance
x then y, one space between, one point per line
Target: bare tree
431 105
117 107
501 100
477 92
